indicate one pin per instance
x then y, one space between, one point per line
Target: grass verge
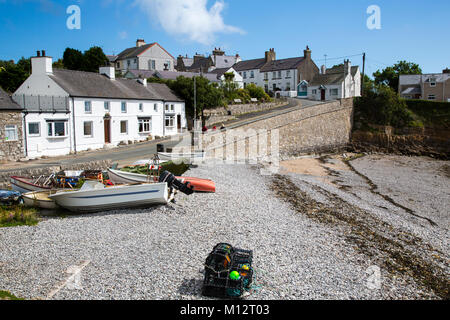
17 215
5 295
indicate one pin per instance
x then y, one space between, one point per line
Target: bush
431 113
17 215
257 92
382 106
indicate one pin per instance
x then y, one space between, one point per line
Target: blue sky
411 30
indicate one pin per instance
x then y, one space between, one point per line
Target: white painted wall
284 82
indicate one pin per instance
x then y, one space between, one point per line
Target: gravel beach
359 232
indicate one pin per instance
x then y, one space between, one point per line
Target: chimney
447 70
41 64
323 69
110 72
218 52
347 66
140 43
307 53
270 55
142 81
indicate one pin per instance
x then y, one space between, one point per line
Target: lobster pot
222 263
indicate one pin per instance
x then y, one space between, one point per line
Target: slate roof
407 79
327 79
224 61
95 85
136 51
282 64
412 90
7 103
249 64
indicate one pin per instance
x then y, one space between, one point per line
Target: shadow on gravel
191 287
398 251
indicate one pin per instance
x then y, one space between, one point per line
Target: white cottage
343 81
67 111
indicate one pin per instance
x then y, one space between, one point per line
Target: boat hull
24 185
39 199
200 185
128 196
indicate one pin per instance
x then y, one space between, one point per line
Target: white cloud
189 18
123 35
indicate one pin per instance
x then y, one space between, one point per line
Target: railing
41 103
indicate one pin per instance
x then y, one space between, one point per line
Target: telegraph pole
363 73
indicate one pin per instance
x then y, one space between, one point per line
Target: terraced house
432 86
68 111
274 74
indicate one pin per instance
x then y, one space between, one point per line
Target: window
431 97
155 107
87 107
169 121
34 129
334 92
245 75
288 74
274 75
87 128
266 87
124 107
170 108
252 74
168 64
128 62
279 74
107 106
124 126
57 128
152 64
141 107
432 82
11 133
144 125
266 76
314 91
135 60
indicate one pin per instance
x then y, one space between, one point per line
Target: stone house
199 63
274 74
432 86
11 137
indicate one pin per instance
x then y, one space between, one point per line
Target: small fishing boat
193 156
94 196
199 185
9 197
24 185
40 199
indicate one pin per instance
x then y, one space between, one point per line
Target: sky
413 30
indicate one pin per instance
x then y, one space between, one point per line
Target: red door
107 124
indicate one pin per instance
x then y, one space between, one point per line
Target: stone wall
218 115
319 128
11 150
36 172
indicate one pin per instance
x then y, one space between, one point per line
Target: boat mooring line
69 279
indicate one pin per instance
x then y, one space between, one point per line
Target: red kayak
200 185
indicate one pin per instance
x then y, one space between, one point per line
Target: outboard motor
173 182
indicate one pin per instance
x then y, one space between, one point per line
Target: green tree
257 92
73 59
390 75
94 58
13 75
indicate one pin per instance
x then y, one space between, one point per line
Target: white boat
192 156
24 185
147 162
94 196
39 199
123 177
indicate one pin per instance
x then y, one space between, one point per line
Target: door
322 94
107 125
179 122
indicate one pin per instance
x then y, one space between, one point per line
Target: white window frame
34 134
92 129
107 106
334 92
122 104
12 127
52 123
288 74
431 97
252 74
141 107
86 105
171 120
155 107
145 122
